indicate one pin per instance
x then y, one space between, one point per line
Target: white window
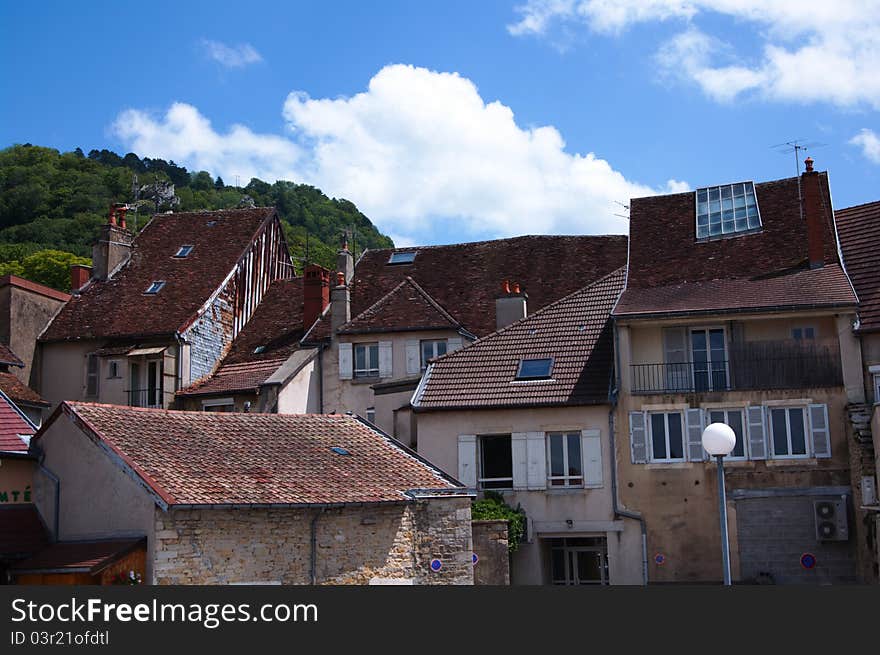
877 388
535 369
726 210
218 405
667 437
183 251
431 348
564 458
155 287
371 415
366 360
788 432
709 359
803 333
733 418
92 363
113 369
496 461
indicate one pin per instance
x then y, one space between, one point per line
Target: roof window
340 451
259 349
406 257
183 251
155 287
535 369
726 210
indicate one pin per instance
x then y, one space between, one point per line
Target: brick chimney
510 306
79 275
114 244
345 260
814 214
316 293
340 303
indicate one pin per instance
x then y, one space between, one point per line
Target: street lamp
719 440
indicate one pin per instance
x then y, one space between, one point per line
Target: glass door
709 359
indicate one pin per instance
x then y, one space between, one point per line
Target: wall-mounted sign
16 495
808 561
475 559
659 559
436 565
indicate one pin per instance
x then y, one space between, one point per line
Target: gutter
743 310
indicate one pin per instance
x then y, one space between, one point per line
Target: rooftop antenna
626 207
796 146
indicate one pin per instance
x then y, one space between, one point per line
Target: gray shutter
345 362
757 433
675 357
519 453
537 460
819 432
385 366
467 460
413 358
591 451
638 437
695 452
452 344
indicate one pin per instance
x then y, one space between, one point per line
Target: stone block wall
490 544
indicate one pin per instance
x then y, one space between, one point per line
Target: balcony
750 367
145 398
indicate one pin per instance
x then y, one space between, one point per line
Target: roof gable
859 231
12 424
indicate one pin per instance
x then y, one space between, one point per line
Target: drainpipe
313 563
618 511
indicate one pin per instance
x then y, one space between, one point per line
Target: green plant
492 508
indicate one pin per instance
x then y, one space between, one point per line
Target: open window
496 461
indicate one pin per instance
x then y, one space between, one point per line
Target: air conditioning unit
830 517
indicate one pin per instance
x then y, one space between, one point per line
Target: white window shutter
467 460
385 359
695 452
345 363
638 438
591 451
413 358
757 433
819 432
537 460
519 453
453 343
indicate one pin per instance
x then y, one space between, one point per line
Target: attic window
403 257
340 451
259 349
155 287
183 251
726 210
534 369
211 223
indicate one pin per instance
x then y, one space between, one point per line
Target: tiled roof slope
21 531
859 231
464 279
241 377
9 358
78 556
208 458
119 308
11 426
18 391
575 331
406 307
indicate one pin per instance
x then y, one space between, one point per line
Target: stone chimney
814 214
114 244
340 303
79 275
510 306
345 261
316 293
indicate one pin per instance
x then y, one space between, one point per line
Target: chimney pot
79 275
808 162
516 288
505 286
340 279
316 293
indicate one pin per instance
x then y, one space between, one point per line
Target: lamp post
719 440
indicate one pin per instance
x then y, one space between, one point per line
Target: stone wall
354 545
490 546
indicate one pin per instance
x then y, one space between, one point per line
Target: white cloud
812 50
869 142
420 152
227 56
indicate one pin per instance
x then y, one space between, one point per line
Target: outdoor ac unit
830 516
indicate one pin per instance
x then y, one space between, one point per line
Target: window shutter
537 460
591 450
345 363
413 359
467 460
453 343
695 452
757 433
519 453
819 431
638 439
385 359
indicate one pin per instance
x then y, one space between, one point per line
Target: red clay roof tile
9 358
78 556
406 307
11 426
18 391
859 231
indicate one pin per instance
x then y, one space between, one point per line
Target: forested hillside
52 204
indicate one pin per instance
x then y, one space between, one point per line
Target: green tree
51 267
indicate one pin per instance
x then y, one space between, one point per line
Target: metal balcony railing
145 398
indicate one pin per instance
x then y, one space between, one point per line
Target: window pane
496 460
360 361
374 357
780 432
658 435
716 417
427 351
535 368
575 465
441 347
557 466
798 438
676 443
557 565
734 420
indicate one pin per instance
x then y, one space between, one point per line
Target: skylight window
727 209
155 287
259 349
340 451
183 251
402 257
534 369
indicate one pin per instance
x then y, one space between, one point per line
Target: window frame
481 462
803 338
93 375
734 232
771 429
565 478
113 363
423 363
365 373
404 255
180 254
155 287
877 388
370 415
707 329
218 402
707 412
650 437
549 376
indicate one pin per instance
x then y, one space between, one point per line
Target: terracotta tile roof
12 424
405 307
859 231
9 358
119 307
208 458
241 377
35 287
575 332
18 391
464 279
21 531
78 556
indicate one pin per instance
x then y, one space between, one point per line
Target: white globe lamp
719 439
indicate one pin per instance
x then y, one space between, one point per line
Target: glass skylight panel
533 369
155 287
727 209
402 257
183 251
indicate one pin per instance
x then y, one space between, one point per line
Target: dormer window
402 257
155 287
535 369
183 251
727 210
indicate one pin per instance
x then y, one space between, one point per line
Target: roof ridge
859 206
406 280
514 238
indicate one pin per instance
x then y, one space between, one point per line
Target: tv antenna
626 207
796 146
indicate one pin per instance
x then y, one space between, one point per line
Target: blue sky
453 121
